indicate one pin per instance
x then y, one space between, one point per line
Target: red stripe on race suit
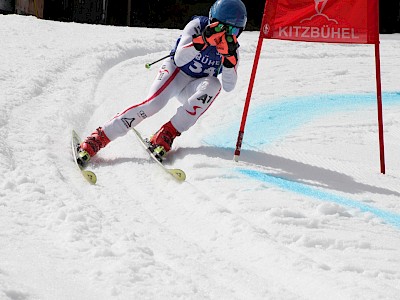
188 45
211 103
163 87
197 107
194 110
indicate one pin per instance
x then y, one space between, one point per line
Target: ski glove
211 36
227 48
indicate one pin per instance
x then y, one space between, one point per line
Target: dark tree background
389 16
173 13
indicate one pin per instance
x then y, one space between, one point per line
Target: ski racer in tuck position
207 47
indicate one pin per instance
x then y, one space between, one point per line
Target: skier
207 47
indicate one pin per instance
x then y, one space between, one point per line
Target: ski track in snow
305 214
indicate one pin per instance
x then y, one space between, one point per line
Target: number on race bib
196 67
210 71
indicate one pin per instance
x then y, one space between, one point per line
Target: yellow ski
75 142
176 173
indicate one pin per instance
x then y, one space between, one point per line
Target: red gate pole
379 88
248 97
379 102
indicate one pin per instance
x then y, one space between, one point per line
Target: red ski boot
163 139
91 145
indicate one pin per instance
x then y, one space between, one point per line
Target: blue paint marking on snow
271 121
303 189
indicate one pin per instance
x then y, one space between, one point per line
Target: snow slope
305 214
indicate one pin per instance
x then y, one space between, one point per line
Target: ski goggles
230 30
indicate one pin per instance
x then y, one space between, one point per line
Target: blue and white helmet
230 12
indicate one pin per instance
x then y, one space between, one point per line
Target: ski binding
176 173
75 142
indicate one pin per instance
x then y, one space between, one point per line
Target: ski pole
148 65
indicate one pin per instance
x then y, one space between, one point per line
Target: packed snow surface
304 214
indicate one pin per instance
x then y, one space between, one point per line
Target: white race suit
189 75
